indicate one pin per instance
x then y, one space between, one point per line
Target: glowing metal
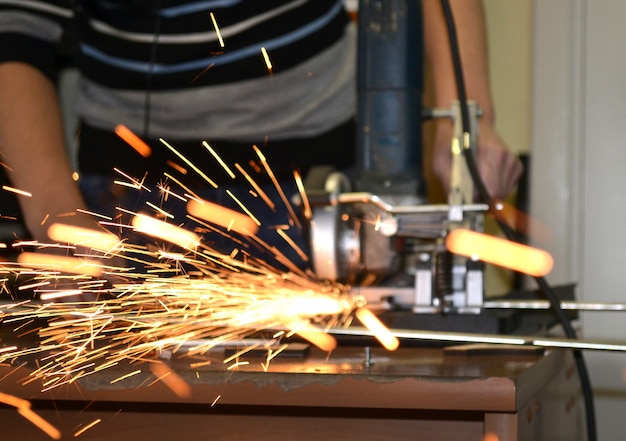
133 140
97 240
173 234
222 216
380 331
52 262
495 250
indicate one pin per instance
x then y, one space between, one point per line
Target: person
278 74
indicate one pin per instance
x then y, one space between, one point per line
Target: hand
498 167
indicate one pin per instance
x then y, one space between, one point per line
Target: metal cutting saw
375 229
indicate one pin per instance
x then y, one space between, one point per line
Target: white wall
509 26
579 175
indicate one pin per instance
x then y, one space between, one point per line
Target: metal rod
544 304
550 342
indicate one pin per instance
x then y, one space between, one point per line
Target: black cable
153 53
542 283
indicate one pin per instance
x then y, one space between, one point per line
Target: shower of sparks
165 310
108 300
187 297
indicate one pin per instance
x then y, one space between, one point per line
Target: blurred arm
499 168
32 145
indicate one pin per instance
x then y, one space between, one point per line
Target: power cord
544 287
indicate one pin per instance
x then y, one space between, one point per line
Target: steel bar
457 337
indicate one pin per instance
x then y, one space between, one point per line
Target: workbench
412 393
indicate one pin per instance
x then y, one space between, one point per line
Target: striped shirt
196 69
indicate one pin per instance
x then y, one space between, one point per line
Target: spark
217 29
380 331
128 375
38 421
133 140
24 408
97 240
135 183
187 298
237 364
87 427
172 380
293 245
153 227
317 336
92 213
521 222
13 401
277 186
189 163
59 263
17 191
243 207
219 159
490 249
266 57
307 212
223 216
256 187
60 294
159 210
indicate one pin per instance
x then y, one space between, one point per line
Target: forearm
33 148
471 33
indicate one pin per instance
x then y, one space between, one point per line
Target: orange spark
314 335
178 168
521 222
14 401
53 262
490 249
96 240
87 427
162 230
489 436
133 140
38 421
222 216
172 380
380 331
308 214
17 191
